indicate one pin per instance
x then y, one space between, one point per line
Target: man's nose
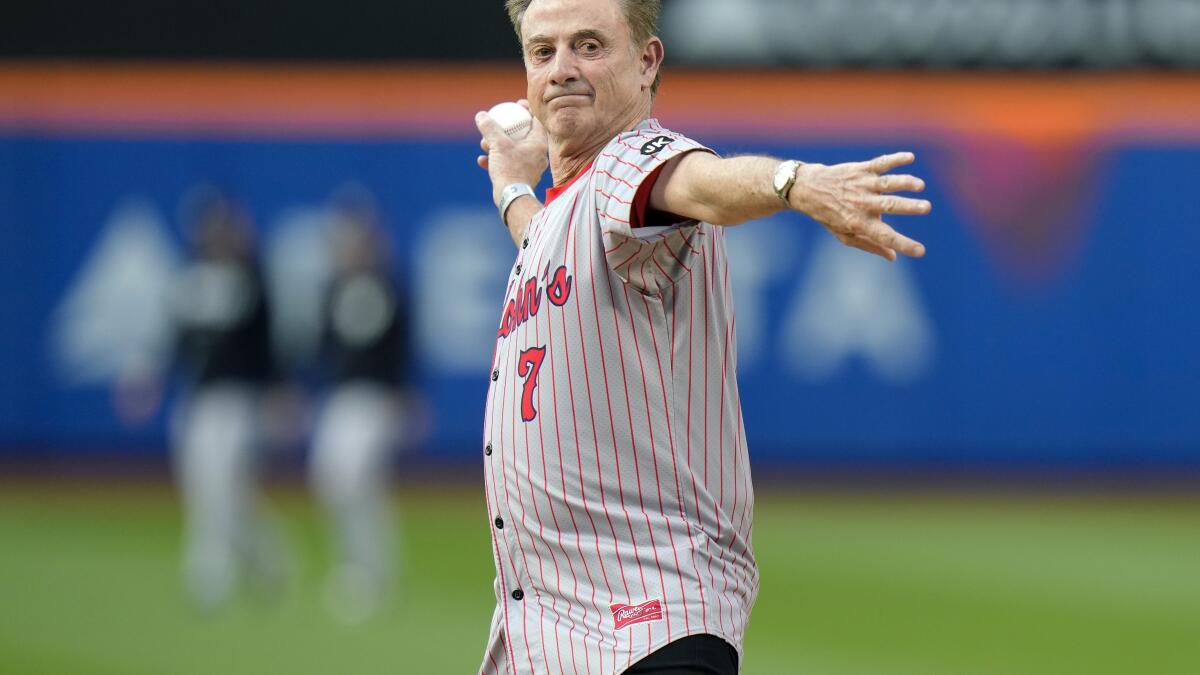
565 67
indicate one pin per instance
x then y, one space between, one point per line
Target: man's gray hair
641 15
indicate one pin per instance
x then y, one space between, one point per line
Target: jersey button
495 375
518 269
499 523
488 450
518 595
525 243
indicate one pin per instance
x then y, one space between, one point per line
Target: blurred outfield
916 583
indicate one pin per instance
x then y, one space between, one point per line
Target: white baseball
513 118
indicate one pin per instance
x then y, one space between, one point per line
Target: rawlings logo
627 615
656 144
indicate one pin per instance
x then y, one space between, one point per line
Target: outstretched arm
848 199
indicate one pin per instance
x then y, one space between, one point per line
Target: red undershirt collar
553 192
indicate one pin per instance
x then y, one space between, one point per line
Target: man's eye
541 52
589 47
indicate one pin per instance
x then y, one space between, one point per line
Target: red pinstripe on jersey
624 488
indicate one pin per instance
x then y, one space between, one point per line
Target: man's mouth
566 97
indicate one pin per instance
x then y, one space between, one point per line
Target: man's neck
565 166
567 159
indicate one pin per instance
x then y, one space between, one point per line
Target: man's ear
652 60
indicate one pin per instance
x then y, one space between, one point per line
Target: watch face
785 175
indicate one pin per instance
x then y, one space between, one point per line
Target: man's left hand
851 199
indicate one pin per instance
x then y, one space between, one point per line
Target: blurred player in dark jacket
365 349
222 317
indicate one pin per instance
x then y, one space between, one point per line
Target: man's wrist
511 193
784 179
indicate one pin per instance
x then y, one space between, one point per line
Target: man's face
585 76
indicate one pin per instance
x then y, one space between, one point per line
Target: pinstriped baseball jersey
618 486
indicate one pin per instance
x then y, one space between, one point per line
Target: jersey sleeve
647 258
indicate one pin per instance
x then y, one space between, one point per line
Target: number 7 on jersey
528 367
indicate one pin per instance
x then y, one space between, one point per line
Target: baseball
513 118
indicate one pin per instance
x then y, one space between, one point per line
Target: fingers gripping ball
513 118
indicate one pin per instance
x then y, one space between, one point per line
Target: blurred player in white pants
216 465
365 351
355 433
221 317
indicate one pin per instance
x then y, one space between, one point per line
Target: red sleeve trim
640 213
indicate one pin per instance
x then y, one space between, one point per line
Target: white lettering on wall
762 254
852 304
461 262
114 316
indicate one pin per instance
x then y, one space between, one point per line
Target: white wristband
510 194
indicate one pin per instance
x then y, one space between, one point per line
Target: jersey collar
553 192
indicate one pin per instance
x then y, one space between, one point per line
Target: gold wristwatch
785 178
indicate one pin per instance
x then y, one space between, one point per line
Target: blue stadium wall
1051 323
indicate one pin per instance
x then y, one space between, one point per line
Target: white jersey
618 486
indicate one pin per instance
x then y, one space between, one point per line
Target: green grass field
851 585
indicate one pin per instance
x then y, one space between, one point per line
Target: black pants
692 655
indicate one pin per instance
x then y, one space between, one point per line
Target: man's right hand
511 161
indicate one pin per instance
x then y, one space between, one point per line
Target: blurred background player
222 313
366 356
219 317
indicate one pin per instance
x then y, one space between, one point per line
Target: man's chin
569 121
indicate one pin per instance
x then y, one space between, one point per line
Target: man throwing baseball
616 468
